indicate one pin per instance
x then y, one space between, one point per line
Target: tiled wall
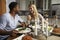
54 21
55 1
56 8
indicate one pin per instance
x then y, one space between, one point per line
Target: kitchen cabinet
2 6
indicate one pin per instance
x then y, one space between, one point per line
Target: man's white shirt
8 23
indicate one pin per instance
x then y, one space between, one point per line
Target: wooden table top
13 37
56 31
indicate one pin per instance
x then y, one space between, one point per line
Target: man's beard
17 12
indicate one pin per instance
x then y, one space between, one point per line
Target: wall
24 4
56 7
55 1
7 3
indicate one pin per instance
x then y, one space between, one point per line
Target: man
9 21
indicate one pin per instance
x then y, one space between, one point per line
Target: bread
56 30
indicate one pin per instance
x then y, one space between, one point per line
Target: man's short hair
12 5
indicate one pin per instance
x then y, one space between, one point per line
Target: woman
34 15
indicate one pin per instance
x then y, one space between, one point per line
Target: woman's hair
34 10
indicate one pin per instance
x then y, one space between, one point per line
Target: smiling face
31 9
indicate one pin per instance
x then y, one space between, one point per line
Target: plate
19 38
21 30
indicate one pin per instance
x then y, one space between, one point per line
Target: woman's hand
23 24
28 17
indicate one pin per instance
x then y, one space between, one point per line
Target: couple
9 21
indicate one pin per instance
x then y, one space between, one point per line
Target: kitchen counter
53 37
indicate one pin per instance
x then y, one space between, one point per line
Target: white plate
27 30
18 29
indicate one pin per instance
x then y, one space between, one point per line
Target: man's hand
14 33
24 24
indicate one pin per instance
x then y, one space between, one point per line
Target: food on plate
56 30
21 29
27 37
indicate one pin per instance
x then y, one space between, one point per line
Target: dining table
21 34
